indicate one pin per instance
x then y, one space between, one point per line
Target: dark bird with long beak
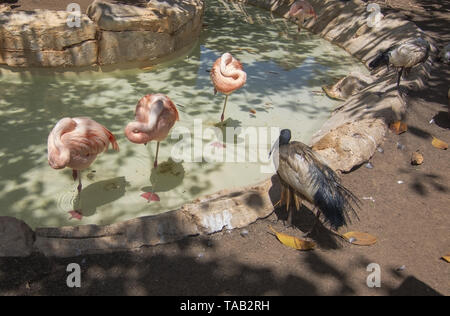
306 176
403 56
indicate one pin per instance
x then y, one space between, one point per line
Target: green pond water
285 72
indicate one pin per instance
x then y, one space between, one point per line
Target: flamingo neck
142 132
58 153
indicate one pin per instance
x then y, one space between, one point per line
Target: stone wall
108 34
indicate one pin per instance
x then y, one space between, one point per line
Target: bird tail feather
332 198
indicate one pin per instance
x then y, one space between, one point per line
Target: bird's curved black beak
274 146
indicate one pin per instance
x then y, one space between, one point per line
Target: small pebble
400 146
244 233
403 267
380 150
369 198
400 182
369 165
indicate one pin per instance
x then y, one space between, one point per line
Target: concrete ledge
223 210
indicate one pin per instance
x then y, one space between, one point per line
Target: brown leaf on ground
439 143
360 239
293 242
398 127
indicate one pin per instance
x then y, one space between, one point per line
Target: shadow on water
99 194
167 176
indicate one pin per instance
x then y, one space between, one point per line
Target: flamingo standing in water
155 116
76 142
227 75
301 9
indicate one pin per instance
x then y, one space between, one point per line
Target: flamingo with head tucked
155 116
227 75
76 142
301 9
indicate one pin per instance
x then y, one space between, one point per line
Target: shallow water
285 73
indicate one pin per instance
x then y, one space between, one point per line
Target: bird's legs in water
77 174
224 106
156 159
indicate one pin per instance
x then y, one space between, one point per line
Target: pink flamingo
302 9
227 75
155 116
76 142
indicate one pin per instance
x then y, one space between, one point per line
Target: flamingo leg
156 158
80 187
224 106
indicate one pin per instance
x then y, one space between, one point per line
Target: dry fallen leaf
439 143
148 68
398 127
293 242
417 158
446 258
360 239
253 111
329 91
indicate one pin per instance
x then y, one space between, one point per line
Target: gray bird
306 176
403 56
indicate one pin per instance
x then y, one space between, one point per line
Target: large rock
351 144
16 238
131 33
43 38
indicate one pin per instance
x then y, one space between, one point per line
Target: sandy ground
411 221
